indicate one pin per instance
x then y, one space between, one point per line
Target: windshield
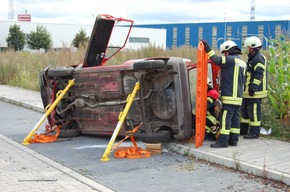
192 83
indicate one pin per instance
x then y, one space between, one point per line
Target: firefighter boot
219 145
233 140
222 142
253 133
251 136
244 129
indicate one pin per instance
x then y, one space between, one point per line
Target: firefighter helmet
253 42
225 46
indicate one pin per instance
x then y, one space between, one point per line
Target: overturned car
92 106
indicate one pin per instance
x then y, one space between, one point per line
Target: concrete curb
22 104
231 163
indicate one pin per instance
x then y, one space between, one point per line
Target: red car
164 102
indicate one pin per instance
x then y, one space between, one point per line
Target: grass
235 157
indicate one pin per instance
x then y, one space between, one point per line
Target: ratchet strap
45 137
132 152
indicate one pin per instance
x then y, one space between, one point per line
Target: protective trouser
251 116
229 124
210 122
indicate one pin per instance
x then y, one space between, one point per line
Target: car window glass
192 84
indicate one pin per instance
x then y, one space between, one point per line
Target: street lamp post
225 33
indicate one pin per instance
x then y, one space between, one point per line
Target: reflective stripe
211 53
248 80
235 130
223 128
235 81
240 63
259 65
211 119
207 129
225 132
261 93
231 100
255 112
255 123
193 112
210 99
223 59
258 94
245 120
224 120
257 82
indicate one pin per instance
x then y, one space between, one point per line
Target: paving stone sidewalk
22 169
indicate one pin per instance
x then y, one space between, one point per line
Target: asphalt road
165 172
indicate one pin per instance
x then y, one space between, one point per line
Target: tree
80 38
40 38
16 38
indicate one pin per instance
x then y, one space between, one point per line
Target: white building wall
156 37
63 34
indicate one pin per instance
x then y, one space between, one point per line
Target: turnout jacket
232 76
212 96
256 76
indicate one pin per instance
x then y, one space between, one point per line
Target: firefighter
213 108
212 124
232 81
255 89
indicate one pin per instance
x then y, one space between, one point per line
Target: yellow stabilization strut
48 110
121 118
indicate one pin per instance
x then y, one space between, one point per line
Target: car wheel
160 136
69 133
60 71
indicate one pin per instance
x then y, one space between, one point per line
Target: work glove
251 93
206 46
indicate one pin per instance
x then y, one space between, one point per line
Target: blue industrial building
179 34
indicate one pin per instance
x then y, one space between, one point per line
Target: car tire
160 136
60 71
69 133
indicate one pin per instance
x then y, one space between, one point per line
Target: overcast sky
147 11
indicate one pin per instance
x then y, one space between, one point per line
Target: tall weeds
277 106
22 68
279 77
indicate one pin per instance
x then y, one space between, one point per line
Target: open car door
104 42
